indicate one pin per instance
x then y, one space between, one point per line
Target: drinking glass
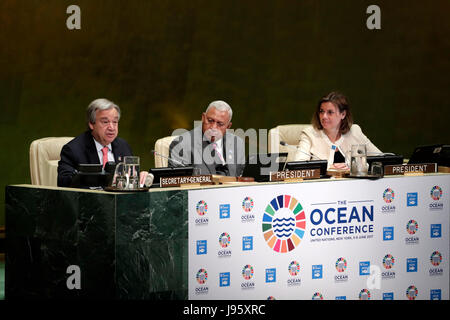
127 173
359 166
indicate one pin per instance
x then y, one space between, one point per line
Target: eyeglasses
218 123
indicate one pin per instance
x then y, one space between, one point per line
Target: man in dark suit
97 145
210 148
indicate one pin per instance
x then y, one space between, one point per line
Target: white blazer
317 144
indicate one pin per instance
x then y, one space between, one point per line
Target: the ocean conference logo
436 193
202 210
247 207
388 197
201 277
283 223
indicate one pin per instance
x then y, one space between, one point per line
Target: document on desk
337 239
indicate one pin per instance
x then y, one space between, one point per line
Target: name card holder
186 181
295 175
410 169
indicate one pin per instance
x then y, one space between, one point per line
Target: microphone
156 153
380 154
283 143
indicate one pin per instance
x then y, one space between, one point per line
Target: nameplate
410 168
185 180
295 174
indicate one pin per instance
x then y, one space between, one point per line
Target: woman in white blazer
332 133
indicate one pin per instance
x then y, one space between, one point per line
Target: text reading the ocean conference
342 223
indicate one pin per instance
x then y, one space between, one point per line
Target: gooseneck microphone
156 153
283 143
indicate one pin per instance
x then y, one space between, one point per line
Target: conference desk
316 239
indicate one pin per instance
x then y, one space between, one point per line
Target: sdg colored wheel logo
388 195
411 292
341 265
202 208
247 204
317 296
294 268
201 276
436 258
284 223
224 240
412 226
388 261
247 272
364 294
436 193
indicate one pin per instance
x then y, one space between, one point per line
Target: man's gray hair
221 106
99 104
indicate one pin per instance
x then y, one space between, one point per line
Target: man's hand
142 176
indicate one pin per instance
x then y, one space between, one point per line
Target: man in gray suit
209 148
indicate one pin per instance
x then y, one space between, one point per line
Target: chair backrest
44 157
289 133
162 147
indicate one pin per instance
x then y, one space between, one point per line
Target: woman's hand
340 166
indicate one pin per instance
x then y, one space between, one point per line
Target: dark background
162 62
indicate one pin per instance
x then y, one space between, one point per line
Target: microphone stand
156 153
283 143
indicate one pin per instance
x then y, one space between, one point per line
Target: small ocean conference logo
412 226
411 292
436 193
317 296
247 272
388 261
283 223
388 264
224 240
248 204
341 264
202 276
247 207
436 258
202 208
388 195
294 268
364 294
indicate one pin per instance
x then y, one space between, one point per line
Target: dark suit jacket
81 150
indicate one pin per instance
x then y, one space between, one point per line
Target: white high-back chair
289 133
162 147
44 157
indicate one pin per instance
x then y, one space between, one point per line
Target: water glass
359 166
127 173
